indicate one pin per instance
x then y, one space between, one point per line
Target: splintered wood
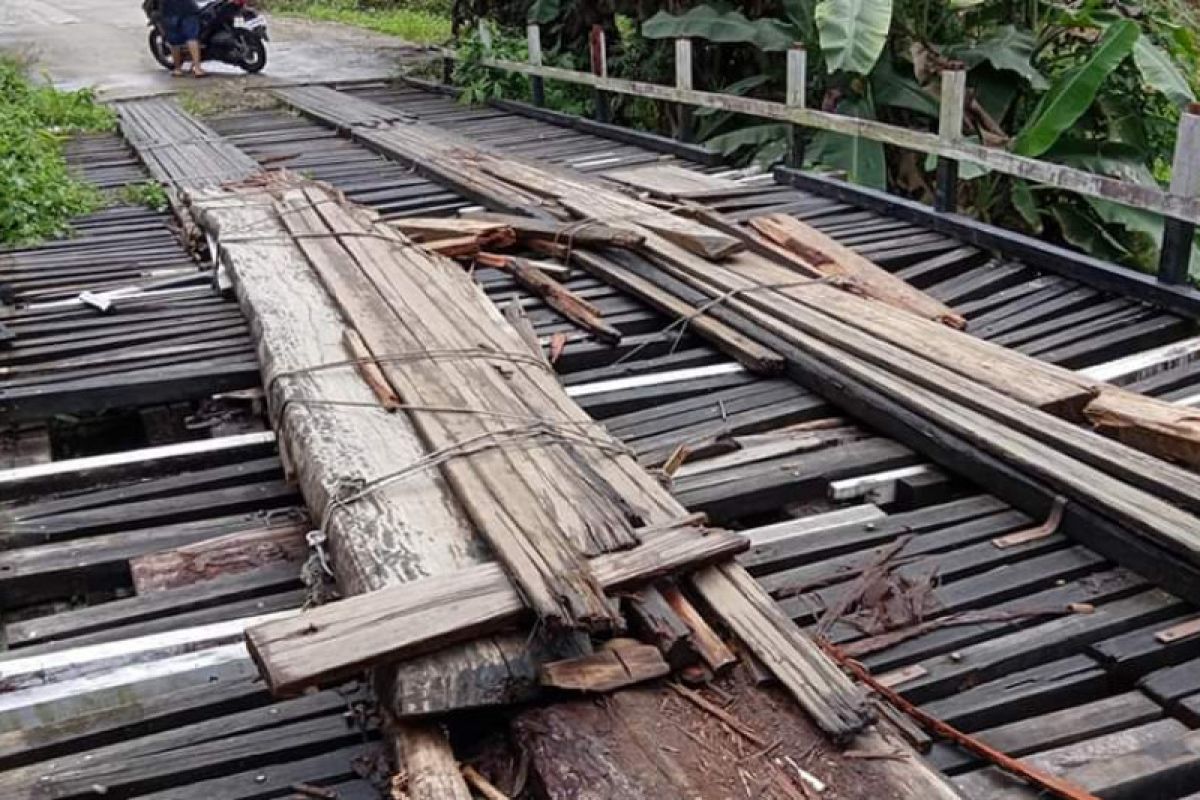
828 258
852 348
547 489
340 639
495 422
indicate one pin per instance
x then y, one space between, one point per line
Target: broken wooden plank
345 637
608 670
829 258
1150 425
579 311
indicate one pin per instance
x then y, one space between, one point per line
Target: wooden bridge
1003 569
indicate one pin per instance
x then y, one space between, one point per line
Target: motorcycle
230 32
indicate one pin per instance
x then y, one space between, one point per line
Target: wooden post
600 67
950 125
1178 236
537 85
485 37
683 80
797 78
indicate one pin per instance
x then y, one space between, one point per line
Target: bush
39 194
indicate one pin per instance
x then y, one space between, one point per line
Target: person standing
181 24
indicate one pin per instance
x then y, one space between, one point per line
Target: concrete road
102 43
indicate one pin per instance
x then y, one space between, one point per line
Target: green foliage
1006 49
861 159
149 194
1159 72
1075 91
423 23
1091 83
39 196
853 32
480 84
705 22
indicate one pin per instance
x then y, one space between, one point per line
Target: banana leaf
1075 91
853 33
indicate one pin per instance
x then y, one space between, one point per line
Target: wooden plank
1042 642
167 601
669 180
227 555
828 258
1054 730
19 672
343 638
1070 760
1037 690
801 527
608 670
1150 425
1140 366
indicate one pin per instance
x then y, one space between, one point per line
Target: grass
217 98
39 195
417 25
149 194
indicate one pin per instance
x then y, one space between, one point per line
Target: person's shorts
181 30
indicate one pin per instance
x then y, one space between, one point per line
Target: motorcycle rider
181 24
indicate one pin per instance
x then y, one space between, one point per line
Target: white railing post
950 131
1174 259
683 80
485 37
599 55
797 83
537 86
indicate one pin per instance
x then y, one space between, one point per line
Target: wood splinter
579 311
623 664
369 369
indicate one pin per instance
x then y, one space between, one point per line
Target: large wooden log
336 433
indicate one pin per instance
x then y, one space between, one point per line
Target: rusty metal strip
1047 528
1054 785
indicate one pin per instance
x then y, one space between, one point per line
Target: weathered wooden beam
537 85
1034 251
829 258
684 72
342 638
1179 236
950 128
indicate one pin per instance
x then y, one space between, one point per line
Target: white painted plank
164 453
1139 366
796 528
879 487
655 379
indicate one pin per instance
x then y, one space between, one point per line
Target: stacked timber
463 495
989 413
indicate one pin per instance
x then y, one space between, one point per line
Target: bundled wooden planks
454 364
978 392
178 150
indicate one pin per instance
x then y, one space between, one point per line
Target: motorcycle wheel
159 48
252 53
